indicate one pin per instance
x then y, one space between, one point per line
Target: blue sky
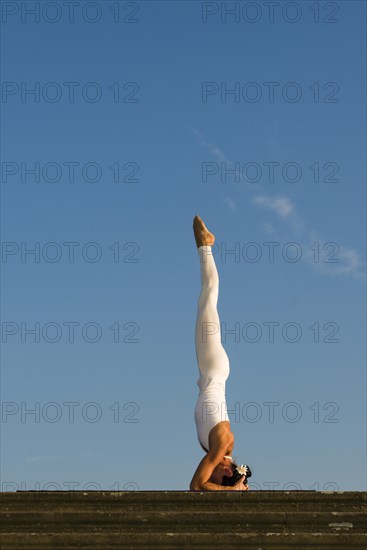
183 146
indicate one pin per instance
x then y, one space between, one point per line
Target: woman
216 470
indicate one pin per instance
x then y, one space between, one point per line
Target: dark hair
229 481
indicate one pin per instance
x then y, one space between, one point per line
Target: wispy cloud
211 147
268 228
281 205
349 261
230 203
331 258
219 156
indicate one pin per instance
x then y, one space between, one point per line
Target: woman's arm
208 486
200 480
239 486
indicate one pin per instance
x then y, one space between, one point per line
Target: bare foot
202 234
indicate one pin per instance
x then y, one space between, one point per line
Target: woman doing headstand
216 469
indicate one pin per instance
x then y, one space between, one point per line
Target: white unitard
212 359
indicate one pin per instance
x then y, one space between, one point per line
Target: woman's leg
211 356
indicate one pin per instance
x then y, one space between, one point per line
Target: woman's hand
239 486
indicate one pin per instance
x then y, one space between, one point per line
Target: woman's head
224 468
237 473
226 473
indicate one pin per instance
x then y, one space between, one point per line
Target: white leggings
212 359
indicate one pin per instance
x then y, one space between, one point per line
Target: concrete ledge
174 541
258 520
215 522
